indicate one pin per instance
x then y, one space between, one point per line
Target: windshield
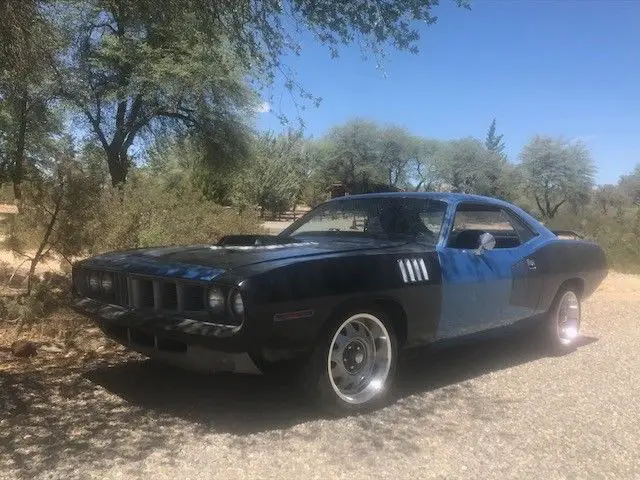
379 217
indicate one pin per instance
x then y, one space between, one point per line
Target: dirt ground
498 409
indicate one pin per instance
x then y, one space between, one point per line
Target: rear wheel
563 322
354 363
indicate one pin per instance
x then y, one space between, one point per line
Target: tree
467 166
59 201
494 142
555 172
28 128
397 149
273 179
27 45
21 29
135 65
608 196
351 154
630 186
136 68
424 171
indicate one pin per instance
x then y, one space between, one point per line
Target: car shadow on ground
49 418
243 404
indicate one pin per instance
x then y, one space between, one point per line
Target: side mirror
487 242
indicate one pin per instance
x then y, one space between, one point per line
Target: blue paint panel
477 289
147 265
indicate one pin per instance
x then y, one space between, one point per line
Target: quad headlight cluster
100 282
218 301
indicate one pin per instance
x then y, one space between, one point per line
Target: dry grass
6 208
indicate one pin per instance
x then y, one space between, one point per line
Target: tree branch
96 126
134 111
177 115
540 206
45 240
555 209
121 111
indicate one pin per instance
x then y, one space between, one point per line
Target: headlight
94 281
237 305
215 298
107 283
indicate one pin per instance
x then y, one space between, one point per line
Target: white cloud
264 107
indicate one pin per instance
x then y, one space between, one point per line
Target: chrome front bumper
184 342
199 359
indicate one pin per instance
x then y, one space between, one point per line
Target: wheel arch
388 305
574 283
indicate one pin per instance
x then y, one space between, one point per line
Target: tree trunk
118 162
18 159
43 244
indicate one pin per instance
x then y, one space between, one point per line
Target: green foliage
273 180
630 186
192 159
556 172
423 170
26 39
616 232
360 153
138 66
148 211
467 166
351 152
494 142
135 68
607 198
397 149
58 202
48 294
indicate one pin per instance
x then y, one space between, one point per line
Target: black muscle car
341 290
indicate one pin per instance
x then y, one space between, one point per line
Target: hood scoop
243 243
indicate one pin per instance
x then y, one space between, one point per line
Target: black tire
561 326
353 354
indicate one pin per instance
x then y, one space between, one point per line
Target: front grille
142 293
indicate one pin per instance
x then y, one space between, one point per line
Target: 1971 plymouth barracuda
342 289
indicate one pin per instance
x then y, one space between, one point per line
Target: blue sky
563 67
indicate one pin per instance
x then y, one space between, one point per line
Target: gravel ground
499 409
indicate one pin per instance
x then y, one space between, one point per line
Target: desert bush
148 212
6 193
618 233
48 294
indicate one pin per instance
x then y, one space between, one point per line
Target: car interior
471 221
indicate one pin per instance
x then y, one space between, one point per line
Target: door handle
531 263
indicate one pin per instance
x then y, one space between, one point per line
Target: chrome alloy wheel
359 358
568 318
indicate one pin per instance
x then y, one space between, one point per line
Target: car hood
205 262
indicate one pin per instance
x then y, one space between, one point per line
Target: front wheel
354 363
563 322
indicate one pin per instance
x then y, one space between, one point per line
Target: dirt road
495 410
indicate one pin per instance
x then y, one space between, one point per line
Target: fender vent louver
413 270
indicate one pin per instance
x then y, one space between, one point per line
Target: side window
524 231
471 221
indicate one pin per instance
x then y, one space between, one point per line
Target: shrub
618 233
48 294
146 212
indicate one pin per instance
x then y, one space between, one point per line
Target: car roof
449 197
454 198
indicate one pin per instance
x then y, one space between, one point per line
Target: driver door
477 285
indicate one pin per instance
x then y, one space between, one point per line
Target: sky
559 67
